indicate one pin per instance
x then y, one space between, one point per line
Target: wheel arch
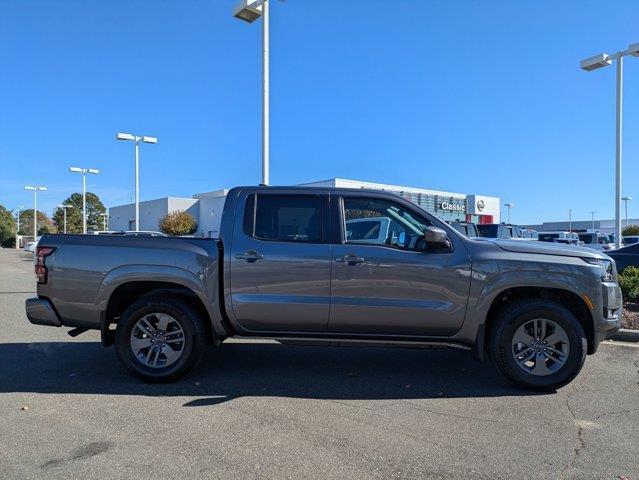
128 292
566 298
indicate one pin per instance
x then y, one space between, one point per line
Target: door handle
250 256
350 260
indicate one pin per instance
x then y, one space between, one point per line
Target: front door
394 286
280 263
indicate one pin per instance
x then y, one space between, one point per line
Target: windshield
487 230
588 238
548 237
468 229
604 239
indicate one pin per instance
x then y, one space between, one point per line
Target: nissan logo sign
452 207
481 205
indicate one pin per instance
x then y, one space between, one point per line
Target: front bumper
609 319
41 312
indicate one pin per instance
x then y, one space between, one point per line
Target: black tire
194 338
511 317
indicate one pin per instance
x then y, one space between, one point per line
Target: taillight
40 268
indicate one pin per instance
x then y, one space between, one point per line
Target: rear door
395 288
280 263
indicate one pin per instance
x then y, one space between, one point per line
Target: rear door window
284 218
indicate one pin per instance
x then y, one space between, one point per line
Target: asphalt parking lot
264 410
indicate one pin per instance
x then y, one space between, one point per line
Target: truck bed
84 270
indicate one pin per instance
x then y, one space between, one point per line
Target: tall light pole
593 220
64 208
625 201
35 206
249 11
509 205
570 220
18 208
593 63
105 218
137 140
84 172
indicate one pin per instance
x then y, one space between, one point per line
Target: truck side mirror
436 238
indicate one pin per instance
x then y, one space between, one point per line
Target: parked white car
368 230
31 246
569 238
596 241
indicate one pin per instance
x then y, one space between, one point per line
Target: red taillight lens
40 268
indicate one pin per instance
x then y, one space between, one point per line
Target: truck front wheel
537 344
159 339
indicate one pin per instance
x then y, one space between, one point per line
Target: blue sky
467 96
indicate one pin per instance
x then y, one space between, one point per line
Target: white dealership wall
484 205
122 217
210 206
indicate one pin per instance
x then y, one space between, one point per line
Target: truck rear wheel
537 344
159 339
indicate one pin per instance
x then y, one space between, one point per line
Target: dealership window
284 218
445 207
373 221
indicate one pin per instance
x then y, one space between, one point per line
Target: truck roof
314 189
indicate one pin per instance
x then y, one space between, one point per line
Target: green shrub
178 223
629 283
630 230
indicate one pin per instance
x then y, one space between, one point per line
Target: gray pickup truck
283 268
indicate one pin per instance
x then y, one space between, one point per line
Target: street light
134 138
18 227
105 218
18 208
64 208
249 11
570 220
84 172
626 200
594 63
509 205
35 206
593 220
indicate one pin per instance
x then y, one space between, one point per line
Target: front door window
381 222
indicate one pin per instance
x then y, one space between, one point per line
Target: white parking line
620 344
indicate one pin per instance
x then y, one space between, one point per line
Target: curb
625 335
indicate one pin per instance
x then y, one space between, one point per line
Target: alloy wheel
157 340
540 347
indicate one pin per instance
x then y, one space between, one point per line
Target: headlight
606 265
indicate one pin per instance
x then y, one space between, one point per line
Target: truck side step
74 332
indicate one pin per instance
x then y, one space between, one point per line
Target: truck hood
546 248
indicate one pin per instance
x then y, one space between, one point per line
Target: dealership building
207 207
